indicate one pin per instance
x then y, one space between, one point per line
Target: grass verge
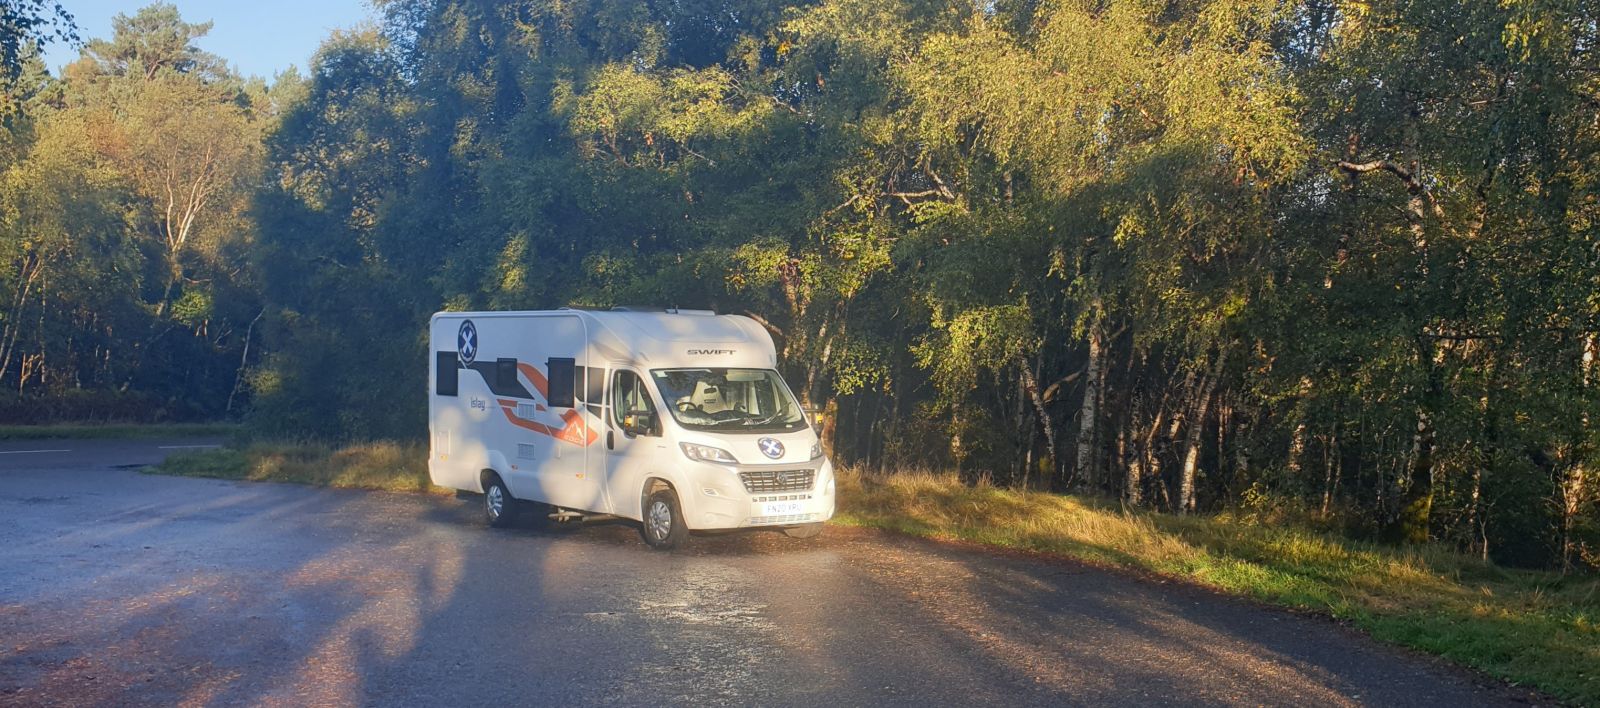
1530 628
395 467
83 431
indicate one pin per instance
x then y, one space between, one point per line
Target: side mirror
813 417
642 423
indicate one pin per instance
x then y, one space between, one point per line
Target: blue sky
258 37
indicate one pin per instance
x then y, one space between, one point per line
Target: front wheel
663 526
804 530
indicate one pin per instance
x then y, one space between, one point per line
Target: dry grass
1531 628
397 467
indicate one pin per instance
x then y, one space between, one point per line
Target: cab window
628 397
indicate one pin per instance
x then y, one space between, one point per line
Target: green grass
1530 628
81 431
395 467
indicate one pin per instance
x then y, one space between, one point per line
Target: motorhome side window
446 374
505 371
563 374
628 397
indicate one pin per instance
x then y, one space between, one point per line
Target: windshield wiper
752 421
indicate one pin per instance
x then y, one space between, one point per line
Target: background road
119 587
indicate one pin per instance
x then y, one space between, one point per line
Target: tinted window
446 373
594 385
505 373
563 371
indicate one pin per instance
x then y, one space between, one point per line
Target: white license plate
783 508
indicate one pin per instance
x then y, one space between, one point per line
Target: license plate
783 508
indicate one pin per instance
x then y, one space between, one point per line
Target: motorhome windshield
729 400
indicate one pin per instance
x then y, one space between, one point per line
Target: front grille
766 481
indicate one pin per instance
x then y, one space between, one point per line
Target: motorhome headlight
816 450
706 453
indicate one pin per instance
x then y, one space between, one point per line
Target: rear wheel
663 526
499 507
803 530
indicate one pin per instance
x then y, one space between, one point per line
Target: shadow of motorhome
533 521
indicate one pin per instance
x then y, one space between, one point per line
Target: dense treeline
1338 255
126 242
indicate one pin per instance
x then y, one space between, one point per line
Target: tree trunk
1031 385
1152 451
1297 439
1146 463
1089 411
27 272
1128 474
174 276
1575 486
1197 424
1416 507
1330 471
244 360
1416 503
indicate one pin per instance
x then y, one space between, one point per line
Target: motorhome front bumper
740 496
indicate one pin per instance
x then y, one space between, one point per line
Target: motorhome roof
663 337
669 327
637 308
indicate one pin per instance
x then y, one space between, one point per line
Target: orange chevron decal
576 431
536 377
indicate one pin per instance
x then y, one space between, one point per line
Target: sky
259 38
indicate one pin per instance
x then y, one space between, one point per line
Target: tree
26 26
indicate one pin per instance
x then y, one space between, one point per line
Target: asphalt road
123 588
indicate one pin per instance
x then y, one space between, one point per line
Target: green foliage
123 236
1302 230
1334 255
25 27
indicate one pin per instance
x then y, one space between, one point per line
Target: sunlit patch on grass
386 465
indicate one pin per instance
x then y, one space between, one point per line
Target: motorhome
676 419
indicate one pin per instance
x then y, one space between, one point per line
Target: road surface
123 588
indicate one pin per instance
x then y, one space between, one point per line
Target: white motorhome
677 419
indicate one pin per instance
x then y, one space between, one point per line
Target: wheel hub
496 499
660 521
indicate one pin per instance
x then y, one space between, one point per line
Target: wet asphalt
121 588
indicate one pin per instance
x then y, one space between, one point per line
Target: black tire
663 527
499 507
811 530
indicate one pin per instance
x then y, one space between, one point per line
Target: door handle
611 440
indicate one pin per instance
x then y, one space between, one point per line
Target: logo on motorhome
770 447
467 342
711 352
